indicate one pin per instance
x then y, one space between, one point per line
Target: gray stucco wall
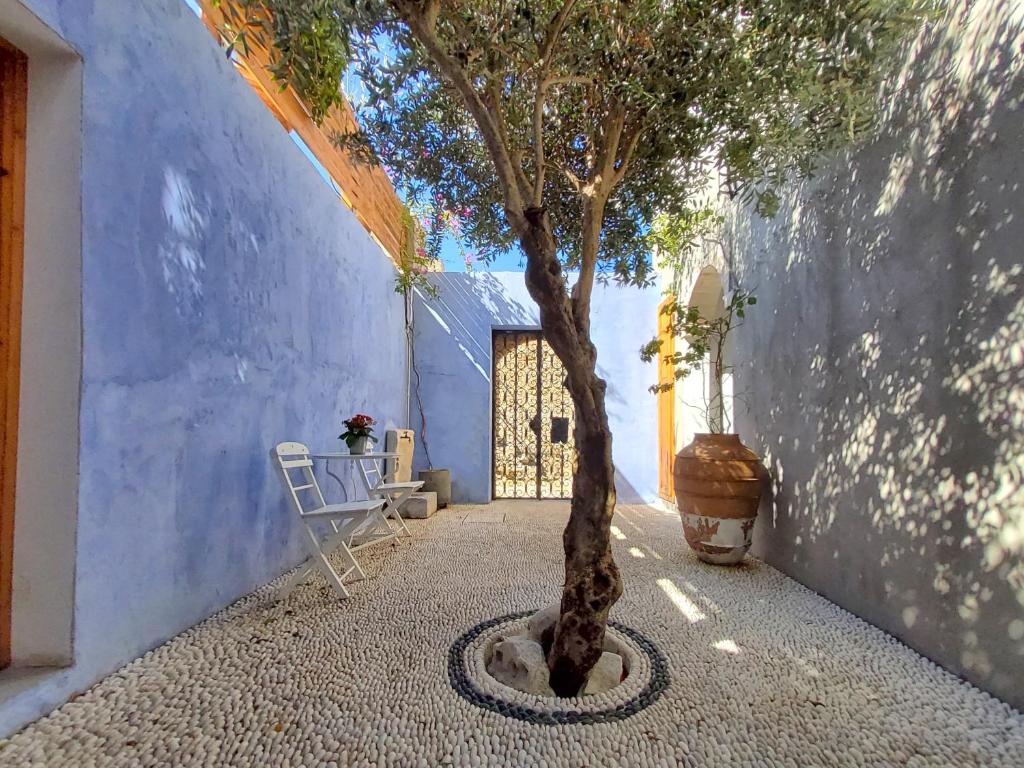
883 365
453 353
230 301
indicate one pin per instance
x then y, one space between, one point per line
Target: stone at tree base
605 675
542 620
420 506
519 663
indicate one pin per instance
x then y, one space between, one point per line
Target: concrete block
420 506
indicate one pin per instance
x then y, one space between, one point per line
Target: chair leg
382 518
394 505
371 528
382 521
353 563
376 530
324 566
319 561
339 541
295 580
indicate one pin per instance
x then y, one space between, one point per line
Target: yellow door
666 406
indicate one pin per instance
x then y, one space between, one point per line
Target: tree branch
595 197
590 246
493 101
538 144
574 180
602 173
545 54
422 21
632 137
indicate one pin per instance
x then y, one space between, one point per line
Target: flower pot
718 490
440 482
357 446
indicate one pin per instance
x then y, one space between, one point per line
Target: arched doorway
695 403
700 404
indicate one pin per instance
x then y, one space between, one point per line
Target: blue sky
508 262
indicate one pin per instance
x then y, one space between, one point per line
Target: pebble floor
764 672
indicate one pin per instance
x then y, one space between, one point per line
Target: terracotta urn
718 490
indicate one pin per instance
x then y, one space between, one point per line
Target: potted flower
358 432
717 478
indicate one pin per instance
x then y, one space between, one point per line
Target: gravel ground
763 672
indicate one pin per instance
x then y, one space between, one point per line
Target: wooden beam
365 189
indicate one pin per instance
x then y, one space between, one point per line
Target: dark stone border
464 686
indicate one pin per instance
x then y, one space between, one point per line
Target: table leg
341 483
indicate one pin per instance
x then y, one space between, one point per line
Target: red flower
361 421
359 425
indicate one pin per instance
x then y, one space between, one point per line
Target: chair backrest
294 457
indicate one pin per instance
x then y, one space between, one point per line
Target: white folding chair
395 495
344 520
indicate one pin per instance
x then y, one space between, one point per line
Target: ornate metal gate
534 450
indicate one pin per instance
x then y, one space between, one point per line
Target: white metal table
357 459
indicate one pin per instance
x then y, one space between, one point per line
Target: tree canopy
608 113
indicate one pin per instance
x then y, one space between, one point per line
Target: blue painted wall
453 353
230 301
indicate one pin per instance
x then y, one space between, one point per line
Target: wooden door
13 107
666 407
534 451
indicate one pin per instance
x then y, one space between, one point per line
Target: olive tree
563 128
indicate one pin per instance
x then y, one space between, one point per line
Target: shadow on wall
453 354
467 308
884 366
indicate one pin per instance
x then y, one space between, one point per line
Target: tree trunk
592 582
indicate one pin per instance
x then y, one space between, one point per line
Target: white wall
882 366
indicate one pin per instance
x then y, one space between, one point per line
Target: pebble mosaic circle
464 676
